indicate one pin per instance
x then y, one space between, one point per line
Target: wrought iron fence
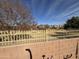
30 36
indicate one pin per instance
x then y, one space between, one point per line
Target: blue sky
53 11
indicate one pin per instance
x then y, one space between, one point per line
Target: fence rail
8 38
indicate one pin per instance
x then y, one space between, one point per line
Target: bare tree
13 13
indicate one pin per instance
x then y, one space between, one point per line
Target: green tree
72 23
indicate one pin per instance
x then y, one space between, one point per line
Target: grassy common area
53 34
